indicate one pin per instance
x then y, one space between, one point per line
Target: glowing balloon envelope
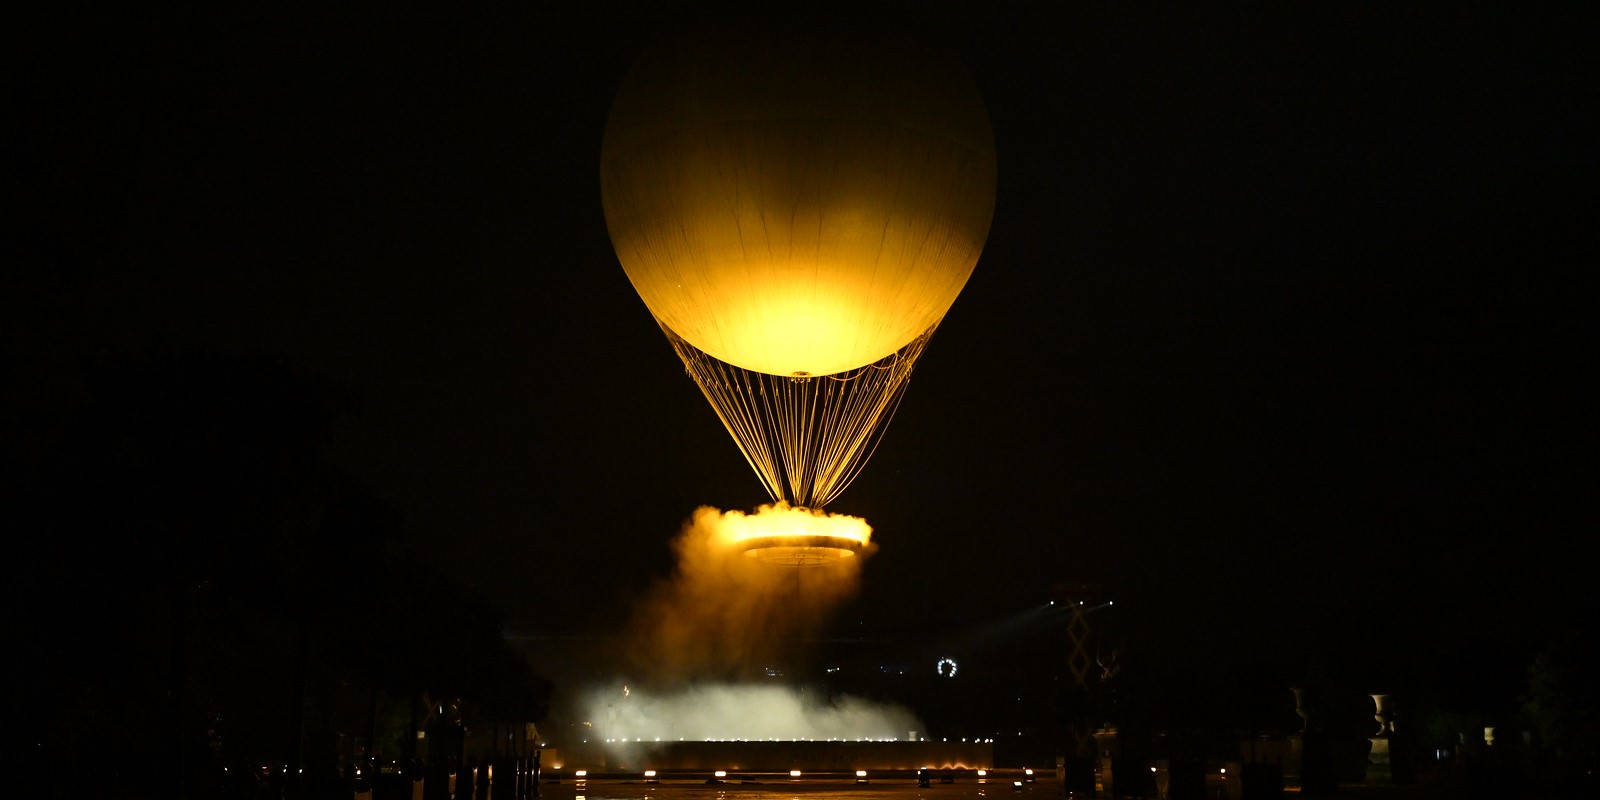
798 212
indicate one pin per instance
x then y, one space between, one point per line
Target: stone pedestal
1231 774
1379 770
1294 762
1105 746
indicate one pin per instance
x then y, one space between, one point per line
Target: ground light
861 776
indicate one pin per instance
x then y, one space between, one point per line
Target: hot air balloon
798 211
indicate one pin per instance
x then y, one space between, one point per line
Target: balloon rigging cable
806 437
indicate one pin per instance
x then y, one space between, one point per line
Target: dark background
1280 335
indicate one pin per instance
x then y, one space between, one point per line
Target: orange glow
798 212
798 205
731 610
781 534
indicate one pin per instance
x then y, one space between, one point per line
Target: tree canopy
202 584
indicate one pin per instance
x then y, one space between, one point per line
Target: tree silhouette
207 590
1561 703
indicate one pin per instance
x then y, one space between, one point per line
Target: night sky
1279 333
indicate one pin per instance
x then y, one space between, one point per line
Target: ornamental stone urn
1300 708
1380 770
1383 714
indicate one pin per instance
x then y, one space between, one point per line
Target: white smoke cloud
701 640
724 712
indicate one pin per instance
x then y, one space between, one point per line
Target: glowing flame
781 519
782 534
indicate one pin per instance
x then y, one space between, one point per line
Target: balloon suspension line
806 437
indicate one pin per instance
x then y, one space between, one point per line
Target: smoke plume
710 648
727 616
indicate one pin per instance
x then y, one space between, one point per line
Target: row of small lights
861 775
625 740
651 776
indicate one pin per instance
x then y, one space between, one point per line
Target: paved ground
838 789
997 787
